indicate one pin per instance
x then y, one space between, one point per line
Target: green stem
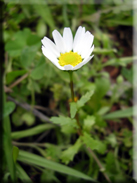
72 97
71 85
7 146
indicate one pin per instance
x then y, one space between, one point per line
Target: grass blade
42 162
22 174
120 114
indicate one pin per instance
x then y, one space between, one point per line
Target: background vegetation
36 149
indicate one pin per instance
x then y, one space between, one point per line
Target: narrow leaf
73 109
22 174
120 61
33 159
32 131
124 113
8 149
15 153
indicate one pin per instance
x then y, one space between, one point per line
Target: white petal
79 40
51 57
84 41
59 41
88 44
48 44
82 63
68 67
89 51
68 39
76 36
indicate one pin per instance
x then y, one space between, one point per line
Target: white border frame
134 4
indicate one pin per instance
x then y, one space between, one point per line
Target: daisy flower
68 53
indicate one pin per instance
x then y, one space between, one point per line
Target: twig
42 136
29 108
7 89
98 163
46 109
19 80
28 144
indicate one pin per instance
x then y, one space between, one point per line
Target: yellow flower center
69 58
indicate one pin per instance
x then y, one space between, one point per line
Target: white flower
66 53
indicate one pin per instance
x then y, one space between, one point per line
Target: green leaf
104 51
73 109
33 41
8 108
49 176
124 113
43 10
111 139
68 129
39 69
36 160
22 174
68 154
93 143
102 86
100 121
33 86
128 74
120 61
103 110
88 123
11 76
15 152
41 28
28 118
32 131
15 46
67 124
61 120
27 56
84 99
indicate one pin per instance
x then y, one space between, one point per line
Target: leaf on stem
8 108
68 125
69 153
88 123
84 98
61 120
73 109
94 144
